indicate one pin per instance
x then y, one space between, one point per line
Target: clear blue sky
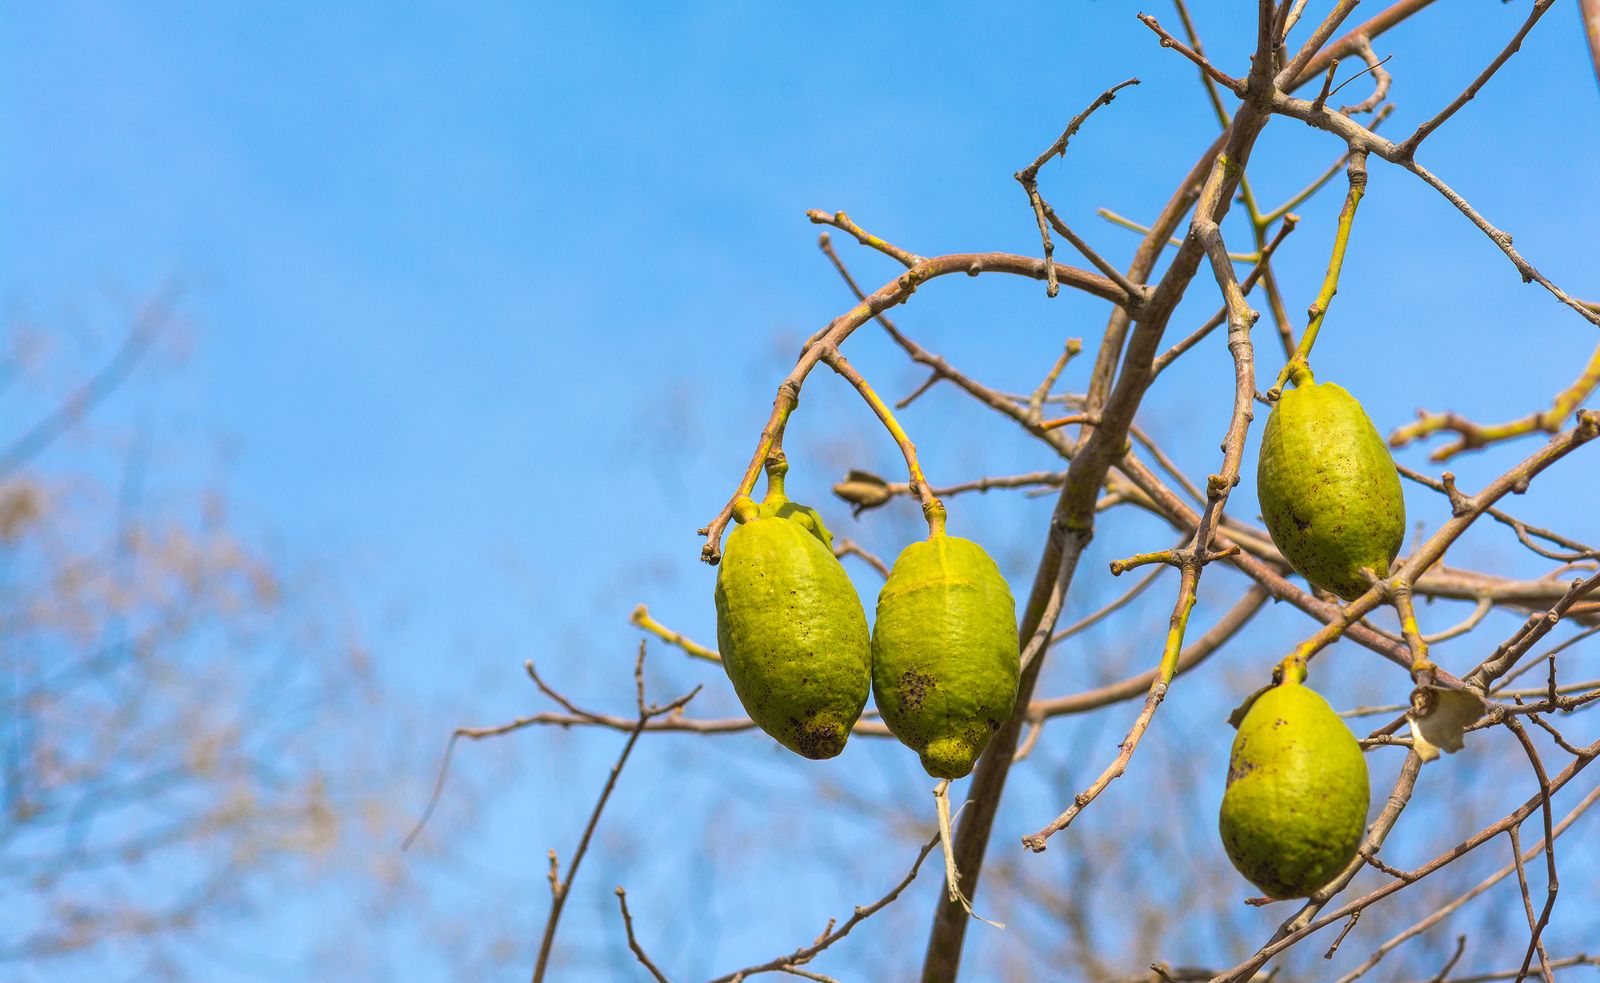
490 299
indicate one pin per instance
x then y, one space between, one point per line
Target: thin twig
560 889
1028 177
62 417
1552 882
805 954
849 547
640 618
1525 532
1408 147
633 943
1452 907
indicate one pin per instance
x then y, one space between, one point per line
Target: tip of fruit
820 739
948 757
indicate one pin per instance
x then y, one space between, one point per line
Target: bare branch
1408 147
805 954
633 943
96 388
560 889
1028 177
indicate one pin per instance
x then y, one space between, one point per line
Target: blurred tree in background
186 719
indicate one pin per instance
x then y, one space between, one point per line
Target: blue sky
488 303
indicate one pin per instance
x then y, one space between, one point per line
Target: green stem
1298 368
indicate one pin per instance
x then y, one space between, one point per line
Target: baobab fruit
1328 489
944 652
791 630
1296 802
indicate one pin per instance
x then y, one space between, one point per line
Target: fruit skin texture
944 652
792 634
1328 489
1296 803
776 506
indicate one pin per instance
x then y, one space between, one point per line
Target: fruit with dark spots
1296 802
791 630
1328 489
944 652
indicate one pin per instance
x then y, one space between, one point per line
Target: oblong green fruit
1328 489
1296 803
944 652
792 634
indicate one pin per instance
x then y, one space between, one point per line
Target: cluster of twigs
1110 462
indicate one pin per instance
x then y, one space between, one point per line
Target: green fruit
944 652
1296 802
792 631
1329 492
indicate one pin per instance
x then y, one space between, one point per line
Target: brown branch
1568 962
1356 135
1163 676
849 547
1090 620
1303 60
1191 560
932 509
560 889
1509 652
842 222
1072 523
805 954
1380 80
1261 268
1552 882
1408 147
1236 86
1028 177
1036 399
1195 653
865 490
1449 964
1525 533
574 716
633 943
895 292
1452 907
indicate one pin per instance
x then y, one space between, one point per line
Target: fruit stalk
1298 368
932 509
